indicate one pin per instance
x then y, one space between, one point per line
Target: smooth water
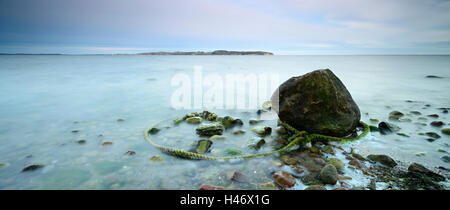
44 98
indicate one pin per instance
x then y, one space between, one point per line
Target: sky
285 27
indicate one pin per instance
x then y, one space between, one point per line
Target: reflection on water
49 103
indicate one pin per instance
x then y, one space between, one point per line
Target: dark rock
433 135
317 102
328 174
433 115
82 141
210 129
415 167
445 158
154 130
239 177
383 159
384 128
130 153
437 123
32 167
107 143
208 115
229 122
120 120
433 77
284 179
256 144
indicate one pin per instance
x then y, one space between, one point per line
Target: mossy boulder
317 102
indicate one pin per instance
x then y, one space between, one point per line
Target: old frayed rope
298 137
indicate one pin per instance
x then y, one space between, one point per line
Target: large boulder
317 102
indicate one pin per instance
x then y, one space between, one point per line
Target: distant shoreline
216 52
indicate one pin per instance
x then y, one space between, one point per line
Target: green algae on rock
232 151
202 146
446 131
317 102
210 129
156 158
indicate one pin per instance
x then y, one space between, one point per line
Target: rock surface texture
317 102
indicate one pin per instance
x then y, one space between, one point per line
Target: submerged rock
256 144
317 102
194 120
269 186
384 128
229 122
154 130
433 77
417 168
328 149
210 129
337 163
284 179
239 177
233 152
260 130
446 131
383 159
445 158
156 158
433 135
437 123
209 187
32 167
254 121
316 187
328 174
130 153
202 146
395 115
217 137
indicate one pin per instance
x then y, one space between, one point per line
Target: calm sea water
44 98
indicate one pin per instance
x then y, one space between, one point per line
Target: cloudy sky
280 26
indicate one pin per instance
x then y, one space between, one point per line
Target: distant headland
216 52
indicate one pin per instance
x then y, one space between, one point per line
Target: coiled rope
298 137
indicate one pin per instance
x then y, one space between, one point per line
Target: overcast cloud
282 26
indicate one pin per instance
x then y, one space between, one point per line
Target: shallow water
44 98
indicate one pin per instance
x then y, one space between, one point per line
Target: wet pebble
107 143
328 174
284 179
437 123
383 159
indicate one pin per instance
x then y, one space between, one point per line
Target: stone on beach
317 102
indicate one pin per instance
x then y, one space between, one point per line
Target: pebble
156 158
284 179
328 174
383 159
437 123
